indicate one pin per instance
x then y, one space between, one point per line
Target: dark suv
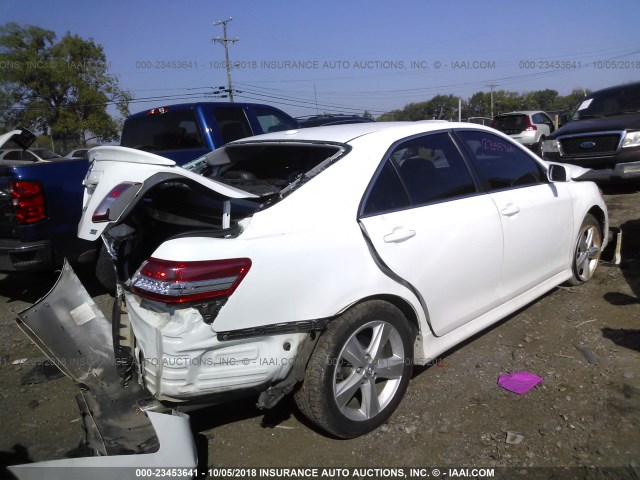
335 119
603 135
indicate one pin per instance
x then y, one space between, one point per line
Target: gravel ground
584 341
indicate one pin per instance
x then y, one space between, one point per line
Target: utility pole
225 41
491 85
316 95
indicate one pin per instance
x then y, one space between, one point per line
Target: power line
305 103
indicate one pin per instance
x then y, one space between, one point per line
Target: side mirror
557 173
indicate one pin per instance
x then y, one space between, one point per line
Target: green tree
440 107
479 105
571 101
59 87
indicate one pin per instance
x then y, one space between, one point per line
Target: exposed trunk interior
167 211
182 207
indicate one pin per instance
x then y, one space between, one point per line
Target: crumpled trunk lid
114 166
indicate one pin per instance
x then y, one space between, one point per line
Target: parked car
335 119
40 205
603 135
78 153
530 127
479 120
324 262
187 131
18 156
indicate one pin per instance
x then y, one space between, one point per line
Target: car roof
195 105
521 112
348 132
631 85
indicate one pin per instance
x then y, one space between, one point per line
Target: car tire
359 370
586 251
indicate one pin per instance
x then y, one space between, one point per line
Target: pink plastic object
519 382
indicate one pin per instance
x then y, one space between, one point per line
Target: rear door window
274 121
15 155
232 123
22 155
420 171
387 193
500 163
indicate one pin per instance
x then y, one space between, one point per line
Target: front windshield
45 154
610 102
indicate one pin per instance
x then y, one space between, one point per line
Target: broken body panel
71 330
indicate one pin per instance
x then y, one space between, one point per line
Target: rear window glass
510 123
173 130
265 168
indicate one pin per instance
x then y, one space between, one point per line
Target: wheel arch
400 303
600 216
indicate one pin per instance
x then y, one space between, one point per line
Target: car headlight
550 146
631 139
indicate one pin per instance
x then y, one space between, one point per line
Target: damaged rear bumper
72 331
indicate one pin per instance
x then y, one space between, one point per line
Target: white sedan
328 261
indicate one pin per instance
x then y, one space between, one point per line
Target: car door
534 213
431 229
543 123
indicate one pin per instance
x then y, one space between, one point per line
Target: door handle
399 234
509 210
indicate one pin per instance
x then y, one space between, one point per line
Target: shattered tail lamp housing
181 282
102 212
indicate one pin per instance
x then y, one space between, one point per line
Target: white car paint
478 290
176 456
458 265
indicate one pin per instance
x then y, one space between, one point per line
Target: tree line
445 107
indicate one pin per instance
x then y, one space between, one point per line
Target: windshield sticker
494 146
585 104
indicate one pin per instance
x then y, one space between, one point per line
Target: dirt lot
584 342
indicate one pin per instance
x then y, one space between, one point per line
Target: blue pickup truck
41 201
40 207
187 131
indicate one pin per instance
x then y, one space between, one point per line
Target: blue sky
350 56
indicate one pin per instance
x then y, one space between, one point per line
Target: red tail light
157 111
530 126
101 214
181 282
28 201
